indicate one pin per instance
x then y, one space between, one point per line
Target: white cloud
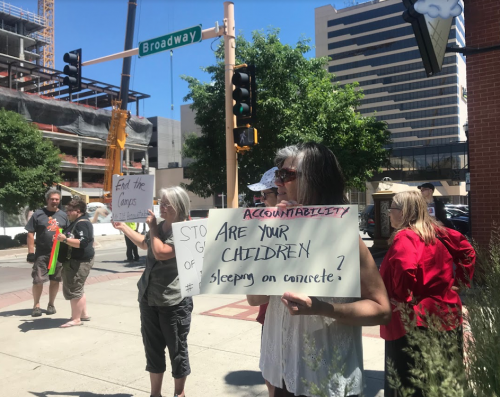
439 8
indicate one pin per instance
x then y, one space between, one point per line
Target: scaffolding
46 11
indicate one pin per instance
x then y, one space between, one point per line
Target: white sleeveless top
306 347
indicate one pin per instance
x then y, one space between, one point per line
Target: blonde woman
165 315
418 272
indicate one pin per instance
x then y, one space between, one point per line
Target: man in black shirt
44 223
434 206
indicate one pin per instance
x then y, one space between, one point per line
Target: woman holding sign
325 331
419 276
165 315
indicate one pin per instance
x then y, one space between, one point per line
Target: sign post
170 41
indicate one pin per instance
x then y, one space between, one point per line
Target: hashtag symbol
189 287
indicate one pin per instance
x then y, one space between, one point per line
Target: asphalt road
15 274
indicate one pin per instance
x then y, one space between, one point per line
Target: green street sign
169 41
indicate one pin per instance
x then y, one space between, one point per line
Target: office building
370 43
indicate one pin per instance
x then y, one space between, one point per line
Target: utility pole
230 60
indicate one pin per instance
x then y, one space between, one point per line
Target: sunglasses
285 175
265 195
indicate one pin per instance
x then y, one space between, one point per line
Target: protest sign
132 197
266 251
189 241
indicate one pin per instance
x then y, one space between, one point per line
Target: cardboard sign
266 251
132 197
189 241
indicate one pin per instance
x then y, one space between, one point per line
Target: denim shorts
166 327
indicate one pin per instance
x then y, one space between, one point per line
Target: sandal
70 324
85 318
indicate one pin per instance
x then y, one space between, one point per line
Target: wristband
65 241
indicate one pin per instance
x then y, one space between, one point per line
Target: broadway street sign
170 41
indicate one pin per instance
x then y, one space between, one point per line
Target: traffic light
245 136
73 70
244 94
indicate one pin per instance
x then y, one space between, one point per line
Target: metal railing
20 13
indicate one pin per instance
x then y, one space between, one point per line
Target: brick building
482 29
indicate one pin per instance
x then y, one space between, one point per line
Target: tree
29 163
296 102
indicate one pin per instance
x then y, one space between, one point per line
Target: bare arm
30 240
257 300
137 238
373 308
161 251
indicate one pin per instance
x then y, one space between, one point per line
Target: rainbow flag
54 253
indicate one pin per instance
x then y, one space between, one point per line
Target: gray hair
179 200
50 192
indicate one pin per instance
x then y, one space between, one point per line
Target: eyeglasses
165 205
284 175
394 208
265 194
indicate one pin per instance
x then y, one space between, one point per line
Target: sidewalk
105 357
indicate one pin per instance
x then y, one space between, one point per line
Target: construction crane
114 149
47 59
119 116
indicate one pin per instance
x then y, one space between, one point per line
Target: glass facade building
371 44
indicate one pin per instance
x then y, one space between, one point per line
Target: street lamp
143 164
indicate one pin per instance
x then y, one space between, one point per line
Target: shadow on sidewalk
244 378
41 324
77 394
20 313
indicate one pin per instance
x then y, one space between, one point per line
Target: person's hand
60 237
299 304
151 219
30 258
118 225
287 204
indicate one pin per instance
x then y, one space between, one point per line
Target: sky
98 28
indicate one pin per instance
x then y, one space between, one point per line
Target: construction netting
78 119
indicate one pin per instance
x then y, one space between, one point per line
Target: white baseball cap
266 182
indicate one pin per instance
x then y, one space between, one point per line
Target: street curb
11 298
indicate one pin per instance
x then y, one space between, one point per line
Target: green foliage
483 318
22 238
313 359
296 102
7 242
438 368
29 163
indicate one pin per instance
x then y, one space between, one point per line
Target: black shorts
166 327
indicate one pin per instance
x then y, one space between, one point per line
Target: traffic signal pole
230 60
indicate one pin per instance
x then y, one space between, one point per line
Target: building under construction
77 123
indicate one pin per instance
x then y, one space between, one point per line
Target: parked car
367 220
460 222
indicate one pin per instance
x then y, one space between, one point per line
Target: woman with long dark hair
309 174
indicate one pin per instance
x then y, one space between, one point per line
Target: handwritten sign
265 251
132 197
189 240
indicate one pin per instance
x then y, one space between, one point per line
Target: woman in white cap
269 192
267 188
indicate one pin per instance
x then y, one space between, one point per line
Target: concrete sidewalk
105 357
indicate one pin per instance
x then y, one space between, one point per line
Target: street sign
177 39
